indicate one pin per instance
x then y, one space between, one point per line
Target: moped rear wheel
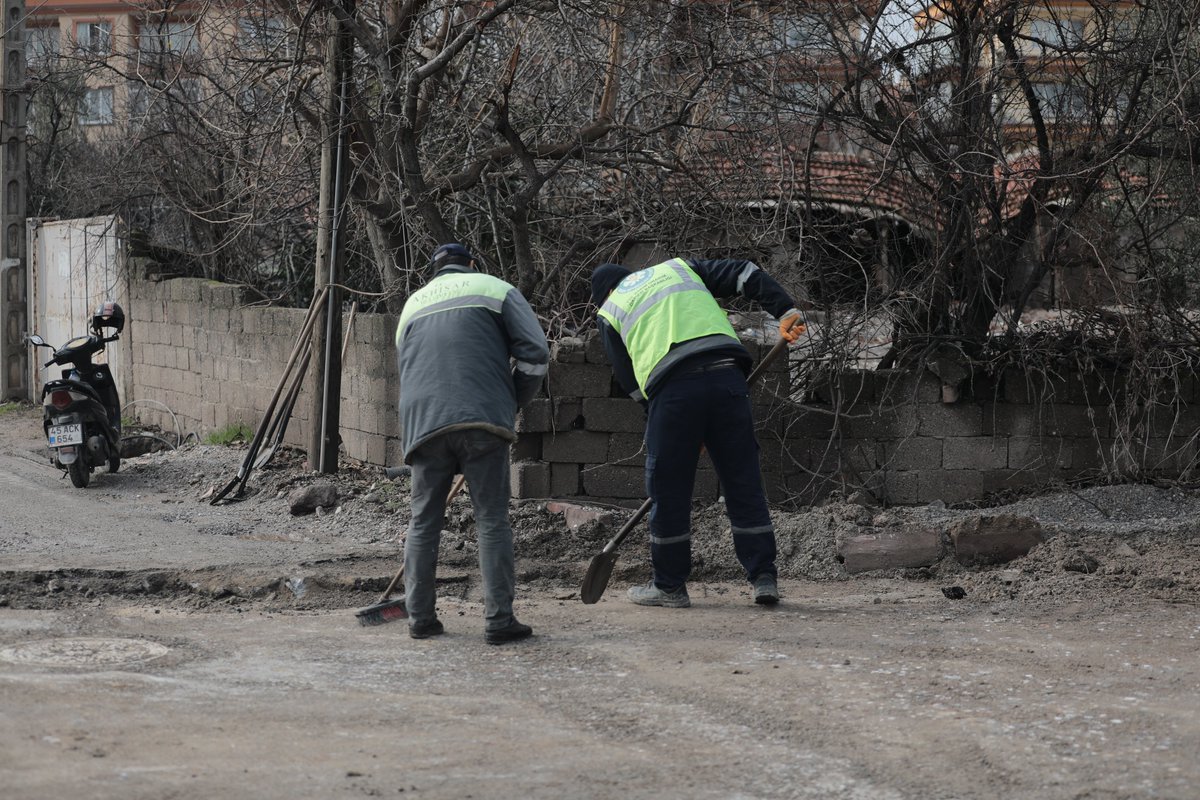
80 473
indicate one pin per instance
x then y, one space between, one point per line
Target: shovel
601 568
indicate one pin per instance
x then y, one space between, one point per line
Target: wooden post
335 174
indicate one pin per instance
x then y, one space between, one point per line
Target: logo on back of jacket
636 281
442 289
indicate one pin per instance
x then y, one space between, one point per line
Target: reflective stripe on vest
659 306
450 291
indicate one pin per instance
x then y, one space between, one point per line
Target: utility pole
335 180
14 314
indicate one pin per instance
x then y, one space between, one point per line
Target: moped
81 411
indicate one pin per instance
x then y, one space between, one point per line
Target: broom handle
391 587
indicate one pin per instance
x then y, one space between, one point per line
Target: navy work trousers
710 408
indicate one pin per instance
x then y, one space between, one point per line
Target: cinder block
568 350
882 422
606 480
707 487
564 480
530 479
904 547
376 449
808 422
1038 453
586 447
626 448
528 447
903 387
950 420
916 453
950 486
975 452
578 380
535 416
568 415
613 414
594 348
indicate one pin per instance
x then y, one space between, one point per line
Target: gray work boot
651 595
766 590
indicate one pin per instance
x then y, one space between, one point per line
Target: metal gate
74 265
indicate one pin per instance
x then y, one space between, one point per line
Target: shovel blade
596 579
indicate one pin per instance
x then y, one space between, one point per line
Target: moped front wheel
80 473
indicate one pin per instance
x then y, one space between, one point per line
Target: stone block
564 480
975 452
607 480
995 539
530 479
578 447
576 515
578 380
904 547
613 414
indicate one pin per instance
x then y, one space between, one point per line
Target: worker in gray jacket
471 352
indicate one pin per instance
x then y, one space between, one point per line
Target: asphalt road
862 689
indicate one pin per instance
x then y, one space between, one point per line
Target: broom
385 610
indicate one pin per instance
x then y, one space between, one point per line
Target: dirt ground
154 645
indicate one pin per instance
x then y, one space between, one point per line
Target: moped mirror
36 340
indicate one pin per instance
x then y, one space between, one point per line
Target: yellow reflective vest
660 306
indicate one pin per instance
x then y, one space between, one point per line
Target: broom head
382 613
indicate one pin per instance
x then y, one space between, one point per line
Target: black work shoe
766 590
423 630
510 633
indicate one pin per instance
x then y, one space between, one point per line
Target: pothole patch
84 652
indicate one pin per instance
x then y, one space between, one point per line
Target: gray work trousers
483 459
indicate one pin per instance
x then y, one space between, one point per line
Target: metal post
14 320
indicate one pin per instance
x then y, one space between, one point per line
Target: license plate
63 435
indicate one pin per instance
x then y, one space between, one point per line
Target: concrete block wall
201 350
886 432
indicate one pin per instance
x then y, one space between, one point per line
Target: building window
1060 101
94 37
261 34
1056 35
43 45
807 33
96 107
178 38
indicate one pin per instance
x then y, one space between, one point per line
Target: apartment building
123 58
